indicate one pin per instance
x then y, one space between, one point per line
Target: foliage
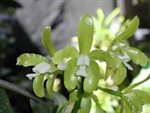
82 72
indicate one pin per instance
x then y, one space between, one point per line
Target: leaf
136 55
125 107
85 33
120 74
38 86
129 31
134 101
5 106
30 59
70 78
91 81
47 41
68 52
145 96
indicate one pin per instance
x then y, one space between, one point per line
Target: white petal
125 57
41 68
127 65
32 75
82 71
83 60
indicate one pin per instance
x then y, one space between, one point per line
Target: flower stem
79 96
115 93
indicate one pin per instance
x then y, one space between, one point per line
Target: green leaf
136 55
85 33
70 78
38 86
120 74
125 107
68 52
91 81
134 101
129 31
47 41
145 96
5 106
30 59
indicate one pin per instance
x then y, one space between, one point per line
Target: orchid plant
82 72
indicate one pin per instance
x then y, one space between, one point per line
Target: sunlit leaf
85 33
136 55
129 31
68 52
91 81
38 86
32 59
70 79
47 41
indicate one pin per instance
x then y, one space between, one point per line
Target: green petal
105 56
47 41
85 104
68 52
27 59
120 74
70 79
91 81
136 55
85 33
130 30
49 85
38 86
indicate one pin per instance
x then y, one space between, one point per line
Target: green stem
79 96
22 91
115 93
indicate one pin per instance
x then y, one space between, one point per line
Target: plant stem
22 91
79 96
116 93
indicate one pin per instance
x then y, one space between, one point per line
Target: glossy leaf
129 31
91 81
68 52
70 79
47 41
120 74
38 86
134 101
30 59
136 55
85 33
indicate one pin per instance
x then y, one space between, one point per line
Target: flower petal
41 68
32 75
83 60
82 71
